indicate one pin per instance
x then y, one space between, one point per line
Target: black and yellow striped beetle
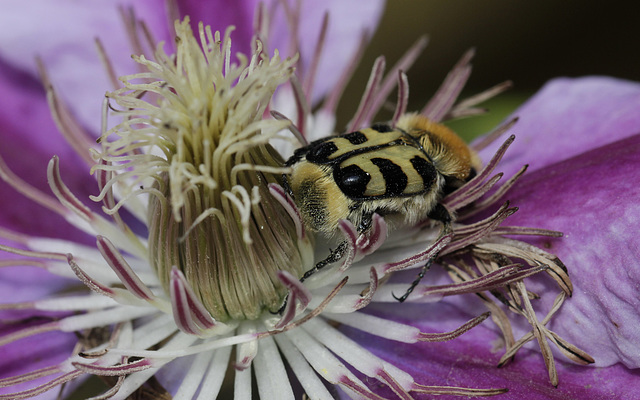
400 173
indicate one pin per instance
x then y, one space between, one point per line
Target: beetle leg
441 214
334 256
365 222
423 271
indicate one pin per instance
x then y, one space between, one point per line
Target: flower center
201 154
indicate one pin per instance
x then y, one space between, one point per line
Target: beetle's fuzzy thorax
450 154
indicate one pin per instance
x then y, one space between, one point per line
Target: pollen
194 145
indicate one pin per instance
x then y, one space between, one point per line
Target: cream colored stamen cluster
194 139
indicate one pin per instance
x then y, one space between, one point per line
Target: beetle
400 173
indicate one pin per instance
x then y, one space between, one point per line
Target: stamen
310 75
493 135
369 94
349 303
499 278
103 177
297 133
260 24
128 16
297 292
393 384
30 376
448 92
570 351
390 80
458 391
403 97
358 388
189 314
367 295
518 249
173 14
302 105
319 309
467 229
538 331
120 266
23 263
79 138
246 351
473 184
106 64
29 331
421 257
31 253
524 230
351 236
31 192
67 303
330 104
64 195
465 107
114 370
483 230
496 195
88 281
27 394
293 19
137 379
287 203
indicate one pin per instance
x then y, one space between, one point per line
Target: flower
173 181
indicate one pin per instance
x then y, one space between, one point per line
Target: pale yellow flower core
201 152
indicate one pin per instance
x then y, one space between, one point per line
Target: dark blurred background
528 42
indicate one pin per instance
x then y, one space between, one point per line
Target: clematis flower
172 306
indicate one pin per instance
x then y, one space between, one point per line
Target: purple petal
348 20
33 353
469 361
26 284
23 284
568 117
593 199
62 33
220 14
29 139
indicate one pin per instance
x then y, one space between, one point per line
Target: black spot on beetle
382 128
352 180
321 152
395 179
356 137
425 169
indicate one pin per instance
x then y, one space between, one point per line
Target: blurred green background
527 42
